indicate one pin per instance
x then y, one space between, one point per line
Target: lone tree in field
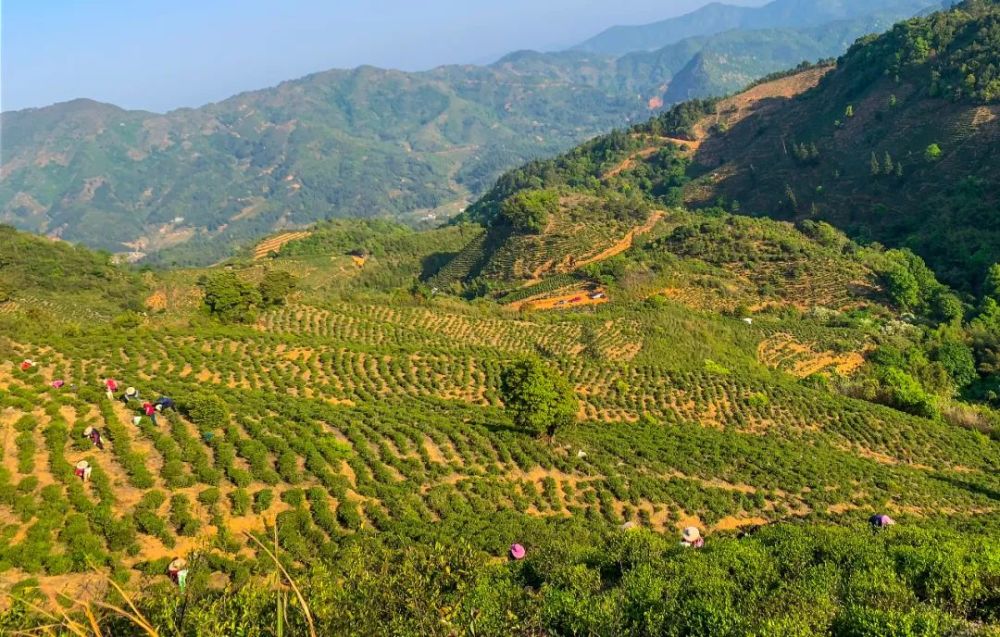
538 399
229 298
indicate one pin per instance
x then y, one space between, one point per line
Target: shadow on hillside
973 487
432 263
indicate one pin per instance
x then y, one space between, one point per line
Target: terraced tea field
275 243
358 418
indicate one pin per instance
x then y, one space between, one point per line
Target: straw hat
130 391
88 431
178 564
691 534
631 524
517 551
83 464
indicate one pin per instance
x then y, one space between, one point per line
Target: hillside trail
568 300
625 242
690 147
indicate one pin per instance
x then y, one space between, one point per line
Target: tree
537 398
902 287
957 359
229 298
529 211
876 168
276 286
932 153
887 166
948 307
991 287
903 392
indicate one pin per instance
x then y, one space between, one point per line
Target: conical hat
130 391
83 464
88 431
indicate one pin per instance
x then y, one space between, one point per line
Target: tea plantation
356 430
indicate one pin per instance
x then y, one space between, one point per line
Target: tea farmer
164 402
130 393
880 522
27 364
149 410
177 572
110 387
83 470
692 538
517 552
95 437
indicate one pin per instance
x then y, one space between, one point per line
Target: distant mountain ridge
186 186
718 17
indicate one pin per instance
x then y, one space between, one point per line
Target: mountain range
189 185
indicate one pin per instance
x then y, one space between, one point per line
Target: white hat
83 464
88 431
691 534
131 391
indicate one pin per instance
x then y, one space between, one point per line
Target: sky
163 54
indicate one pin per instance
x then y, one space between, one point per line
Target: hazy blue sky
162 54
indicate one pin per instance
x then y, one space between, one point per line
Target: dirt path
630 162
626 242
567 301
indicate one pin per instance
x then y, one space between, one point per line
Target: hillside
188 186
900 140
894 143
717 17
363 426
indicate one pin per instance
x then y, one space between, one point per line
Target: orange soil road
630 162
626 242
562 302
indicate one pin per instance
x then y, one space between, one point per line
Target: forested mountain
718 17
895 143
186 186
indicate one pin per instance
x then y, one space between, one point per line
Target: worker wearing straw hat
95 437
177 572
83 470
692 538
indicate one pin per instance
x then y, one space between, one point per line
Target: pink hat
517 551
58 383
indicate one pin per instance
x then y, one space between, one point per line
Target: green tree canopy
538 399
276 286
991 287
229 298
529 211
